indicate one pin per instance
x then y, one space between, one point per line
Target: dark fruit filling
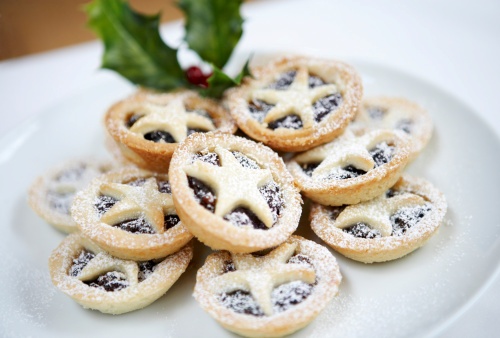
245 217
133 119
146 269
405 125
203 194
164 187
228 267
258 109
80 262
287 295
137 182
72 175
60 203
241 302
362 230
170 221
284 81
391 193
289 121
245 161
104 203
315 81
136 226
346 172
376 113
110 281
309 168
382 153
274 198
326 105
300 259
159 136
195 130
334 212
211 158
405 218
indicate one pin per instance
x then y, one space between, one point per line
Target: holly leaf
133 46
220 82
213 28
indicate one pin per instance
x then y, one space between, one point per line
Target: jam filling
346 172
203 194
287 295
136 182
132 120
284 81
300 259
362 230
245 217
308 168
104 203
211 158
158 136
170 221
164 187
241 302
228 267
391 193
376 113
72 174
382 153
326 105
289 121
245 161
334 212
136 226
145 269
110 281
405 125
274 198
315 81
406 218
258 109
60 203
80 262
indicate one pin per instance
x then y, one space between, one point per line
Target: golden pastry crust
330 183
234 186
395 113
411 197
174 113
311 268
338 77
52 193
137 294
130 201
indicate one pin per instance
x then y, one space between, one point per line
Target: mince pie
233 193
148 126
99 281
51 195
130 214
385 228
351 169
398 114
294 104
268 295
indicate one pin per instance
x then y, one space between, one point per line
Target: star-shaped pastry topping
172 118
260 275
135 201
234 185
377 212
346 150
103 263
75 179
297 99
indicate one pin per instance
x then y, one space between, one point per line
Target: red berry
195 76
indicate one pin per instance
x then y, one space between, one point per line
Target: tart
147 126
351 169
99 281
294 104
399 114
270 295
130 214
232 193
51 194
388 227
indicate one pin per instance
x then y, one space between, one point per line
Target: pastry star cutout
172 118
377 212
260 275
138 200
234 185
297 99
347 149
74 184
103 263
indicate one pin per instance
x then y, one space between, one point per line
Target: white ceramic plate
415 296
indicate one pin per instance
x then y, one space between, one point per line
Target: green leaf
220 82
133 46
213 28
